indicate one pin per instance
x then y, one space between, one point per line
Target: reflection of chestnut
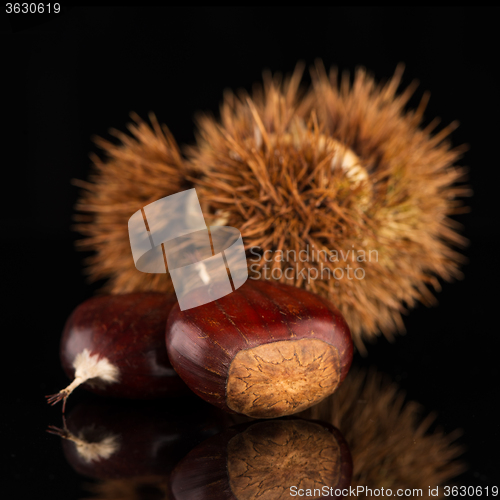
112 439
265 350
115 345
265 460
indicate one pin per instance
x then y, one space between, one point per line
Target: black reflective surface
82 73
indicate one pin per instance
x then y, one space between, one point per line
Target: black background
77 74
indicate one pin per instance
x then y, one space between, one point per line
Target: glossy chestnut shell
265 350
127 331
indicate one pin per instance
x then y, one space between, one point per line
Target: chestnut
117 439
265 350
267 459
114 345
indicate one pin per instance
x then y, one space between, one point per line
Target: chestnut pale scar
269 458
282 378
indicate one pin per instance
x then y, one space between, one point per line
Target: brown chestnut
268 459
265 350
114 345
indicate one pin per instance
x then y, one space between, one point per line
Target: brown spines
335 171
141 168
286 179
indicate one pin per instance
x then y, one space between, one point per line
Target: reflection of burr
390 444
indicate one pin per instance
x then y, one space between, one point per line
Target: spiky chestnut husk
389 437
265 350
264 460
116 439
115 345
143 167
344 170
